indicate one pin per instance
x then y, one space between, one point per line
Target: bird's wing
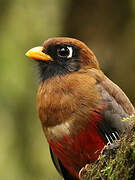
117 108
60 168
120 97
113 90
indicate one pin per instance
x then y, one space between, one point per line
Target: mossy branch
117 163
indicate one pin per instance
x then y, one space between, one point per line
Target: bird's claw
110 149
82 171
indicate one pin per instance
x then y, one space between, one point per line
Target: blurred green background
108 27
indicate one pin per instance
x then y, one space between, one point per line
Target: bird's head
59 56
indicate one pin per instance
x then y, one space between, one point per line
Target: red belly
78 150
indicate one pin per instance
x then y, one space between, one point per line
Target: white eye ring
65 52
70 52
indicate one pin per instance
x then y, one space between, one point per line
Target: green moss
118 164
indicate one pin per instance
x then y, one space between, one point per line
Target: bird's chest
66 99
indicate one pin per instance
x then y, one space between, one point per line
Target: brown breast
65 101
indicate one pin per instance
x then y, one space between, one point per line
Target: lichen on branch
116 163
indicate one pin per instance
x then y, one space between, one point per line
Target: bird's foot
83 170
110 149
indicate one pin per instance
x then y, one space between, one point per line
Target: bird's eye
65 52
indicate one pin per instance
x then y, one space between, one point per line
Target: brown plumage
79 107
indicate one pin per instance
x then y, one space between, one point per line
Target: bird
80 108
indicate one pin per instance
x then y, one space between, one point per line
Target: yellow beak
36 53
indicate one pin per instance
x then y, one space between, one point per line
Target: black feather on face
65 60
